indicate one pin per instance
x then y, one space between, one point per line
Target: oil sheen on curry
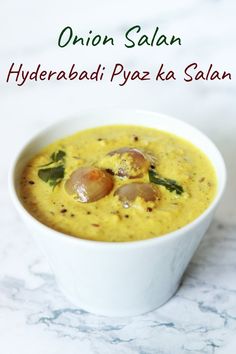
118 183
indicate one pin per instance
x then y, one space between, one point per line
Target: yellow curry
118 183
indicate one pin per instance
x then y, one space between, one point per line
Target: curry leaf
168 183
52 174
55 157
58 156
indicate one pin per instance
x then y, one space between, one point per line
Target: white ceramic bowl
118 279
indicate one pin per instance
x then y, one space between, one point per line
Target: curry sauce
118 183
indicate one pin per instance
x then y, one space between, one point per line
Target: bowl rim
119 244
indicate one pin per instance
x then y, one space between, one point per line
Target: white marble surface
34 316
